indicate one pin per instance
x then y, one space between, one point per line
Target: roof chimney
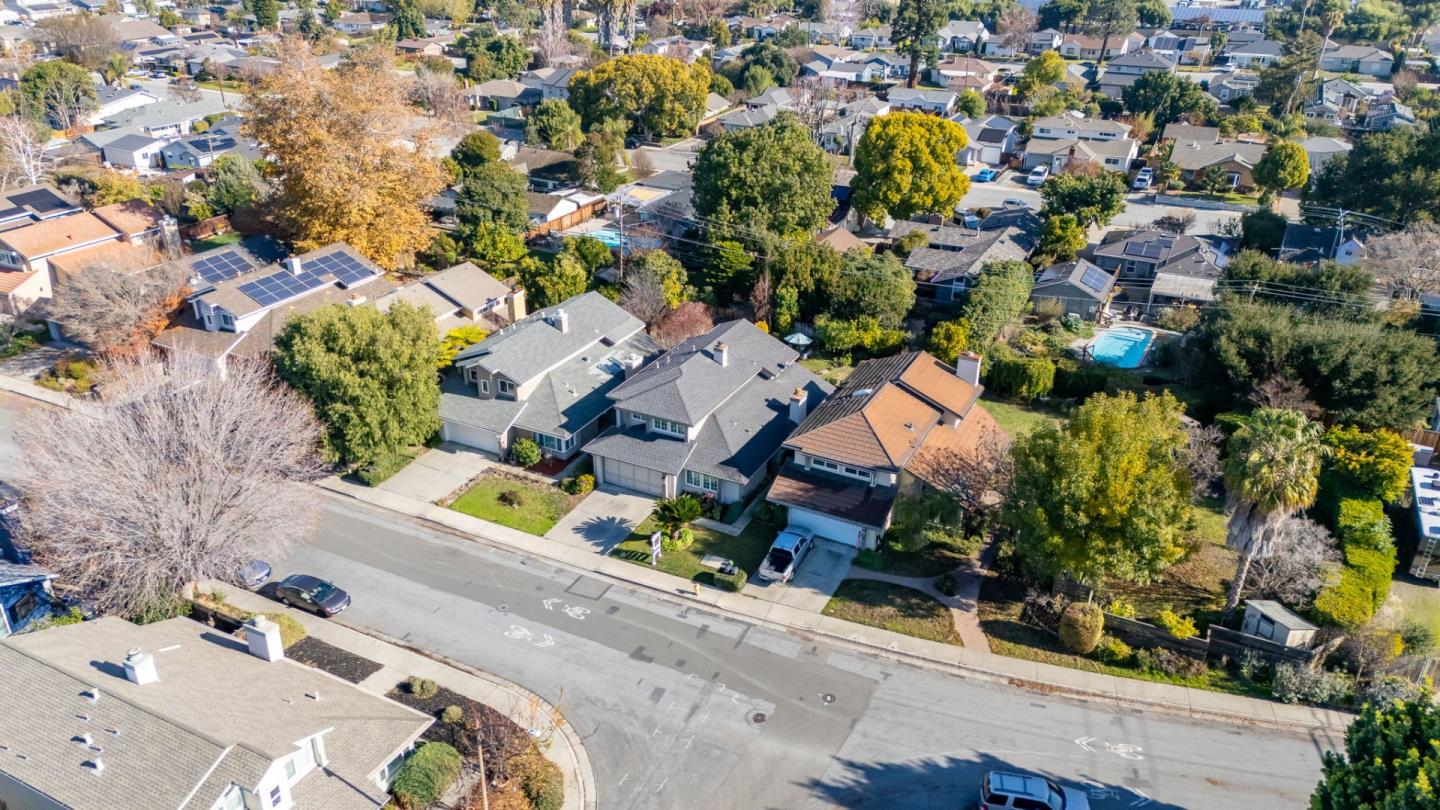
292 263
721 353
798 402
967 367
263 638
561 320
140 667
355 300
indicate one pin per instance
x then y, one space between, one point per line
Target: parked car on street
253 574
986 175
1004 790
1014 202
1143 179
783 560
313 594
1037 176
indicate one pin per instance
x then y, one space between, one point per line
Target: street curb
584 772
680 598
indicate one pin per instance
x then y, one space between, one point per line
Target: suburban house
422 47
1081 287
1364 59
990 139
707 416
867 38
1084 46
361 22
559 210
200 150
498 95
1122 71
545 170
1322 150
1186 49
140 153
1385 116
1142 255
552 82
111 101
1312 244
1073 125
760 29
1253 55
935 102
1335 100
840 134
686 50
1230 87
1058 155
963 36
838 73
1236 159
952 258
463 295
889 65
545 377
1044 40
960 73
895 426
240 301
176 714
827 33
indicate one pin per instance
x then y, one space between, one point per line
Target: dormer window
666 426
841 469
504 387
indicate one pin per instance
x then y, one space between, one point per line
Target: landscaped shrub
540 780
681 541
732 582
525 453
1112 650
579 485
1076 380
1081 626
382 468
1021 377
1345 601
1119 607
452 715
1385 690
1175 624
425 775
945 583
1297 684
870 558
1169 662
1418 637
422 688
1373 568
511 498
1362 523
291 631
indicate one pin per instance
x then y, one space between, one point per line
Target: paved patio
438 472
602 521
811 589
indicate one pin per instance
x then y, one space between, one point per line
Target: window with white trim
555 445
709 483
234 799
504 386
666 426
484 386
841 469
290 769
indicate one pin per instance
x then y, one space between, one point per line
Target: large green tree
1167 97
408 22
870 284
767 55
1391 759
1000 295
1408 160
267 14
1106 496
905 165
554 125
370 376
658 95
913 30
767 179
57 93
1093 199
1044 70
1341 291
1285 165
493 193
1272 470
1064 15
1109 20
491 56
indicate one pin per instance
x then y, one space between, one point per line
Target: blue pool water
1122 347
610 238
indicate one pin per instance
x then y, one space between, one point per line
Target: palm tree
674 514
1271 471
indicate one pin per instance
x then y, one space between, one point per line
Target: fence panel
1232 644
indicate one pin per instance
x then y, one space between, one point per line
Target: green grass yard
746 550
826 369
894 608
1020 418
540 505
220 240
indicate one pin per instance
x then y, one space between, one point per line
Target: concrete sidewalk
560 743
974 662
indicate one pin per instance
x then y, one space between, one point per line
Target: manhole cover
758 717
827 698
504 608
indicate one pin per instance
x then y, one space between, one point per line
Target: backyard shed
1270 620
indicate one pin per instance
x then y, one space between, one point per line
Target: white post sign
654 547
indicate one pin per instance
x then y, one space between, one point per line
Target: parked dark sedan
312 594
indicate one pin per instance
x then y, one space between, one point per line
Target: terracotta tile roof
10 280
937 456
935 381
52 236
883 432
132 217
117 255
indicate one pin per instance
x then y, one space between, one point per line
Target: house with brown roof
897 426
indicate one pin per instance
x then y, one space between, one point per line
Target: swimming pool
1122 346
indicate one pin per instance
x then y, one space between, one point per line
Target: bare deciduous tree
439 93
1015 25
978 479
114 308
85 39
643 295
684 322
179 475
1203 459
24 159
1408 261
1282 392
1298 568
761 296
1178 224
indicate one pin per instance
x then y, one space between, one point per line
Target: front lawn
930 561
1019 418
1194 587
220 240
829 370
999 611
894 608
746 549
519 503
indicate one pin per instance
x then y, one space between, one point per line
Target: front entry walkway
603 520
820 574
964 605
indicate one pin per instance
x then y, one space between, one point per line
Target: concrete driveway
438 472
602 521
820 574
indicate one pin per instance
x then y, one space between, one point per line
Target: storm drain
757 718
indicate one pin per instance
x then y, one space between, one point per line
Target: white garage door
629 476
825 526
472 436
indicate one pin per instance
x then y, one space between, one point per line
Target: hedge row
1364 582
425 775
1021 377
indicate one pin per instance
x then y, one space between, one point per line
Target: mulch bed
500 735
332 659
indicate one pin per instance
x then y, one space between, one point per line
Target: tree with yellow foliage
905 165
342 171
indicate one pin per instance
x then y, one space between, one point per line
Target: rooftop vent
92 694
95 765
140 667
862 392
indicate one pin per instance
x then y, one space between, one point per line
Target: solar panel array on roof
12 213
42 200
1145 250
1219 15
277 287
1095 278
342 266
222 266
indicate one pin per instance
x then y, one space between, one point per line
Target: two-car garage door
471 436
631 476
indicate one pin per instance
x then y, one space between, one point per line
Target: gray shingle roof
16 573
526 349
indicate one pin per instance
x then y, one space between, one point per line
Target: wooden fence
1141 634
570 220
1232 644
1425 438
206 228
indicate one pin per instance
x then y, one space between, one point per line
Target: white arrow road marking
548 642
1084 742
551 603
1141 801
